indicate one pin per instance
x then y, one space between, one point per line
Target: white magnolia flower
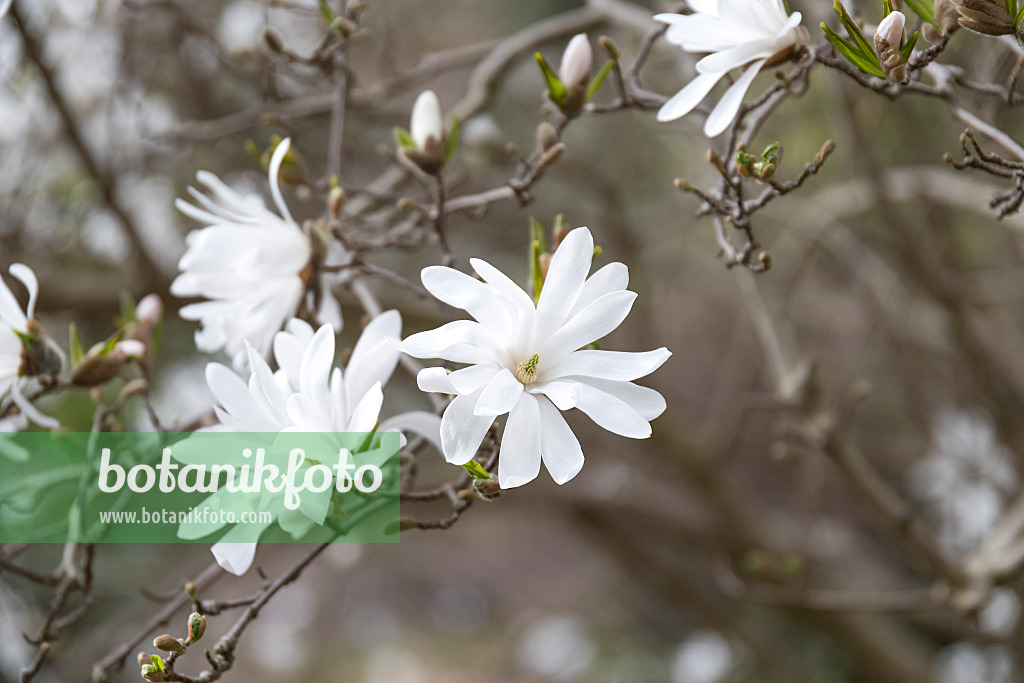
737 33
255 267
308 394
427 121
576 62
16 324
527 361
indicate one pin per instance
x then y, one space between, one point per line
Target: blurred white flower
557 648
576 62
5 6
970 663
18 327
964 479
426 121
524 359
308 394
255 267
737 33
704 657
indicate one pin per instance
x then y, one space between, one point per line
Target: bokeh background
640 569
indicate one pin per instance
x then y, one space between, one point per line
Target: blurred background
721 549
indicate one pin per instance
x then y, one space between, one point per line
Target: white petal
564 281
683 102
30 411
736 57
232 393
234 557
28 278
519 459
612 278
367 411
457 289
589 325
563 394
612 414
434 380
461 430
499 396
503 285
726 109
561 450
418 422
317 360
373 359
616 365
471 379
461 341
644 400
576 61
5 5
275 169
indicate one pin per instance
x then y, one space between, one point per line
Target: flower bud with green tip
151 673
196 627
571 87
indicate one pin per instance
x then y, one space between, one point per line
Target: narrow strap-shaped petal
519 459
461 430
684 101
615 365
275 169
500 395
612 414
725 111
28 278
434 380
561 451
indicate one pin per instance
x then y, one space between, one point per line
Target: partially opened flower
427 143
256 268
24 351
308 394
529 361
738 33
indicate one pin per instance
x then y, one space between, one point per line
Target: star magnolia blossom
308 394
15 322
525 360
737 33
254 266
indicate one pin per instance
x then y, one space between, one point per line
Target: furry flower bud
888 39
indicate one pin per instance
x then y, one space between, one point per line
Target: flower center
526 372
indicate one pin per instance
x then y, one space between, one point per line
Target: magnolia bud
487 489
151 673
149 310
142 658
129 349
988 17
168 643
335 200
196 627
891 29
576 62
888 38
426 119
